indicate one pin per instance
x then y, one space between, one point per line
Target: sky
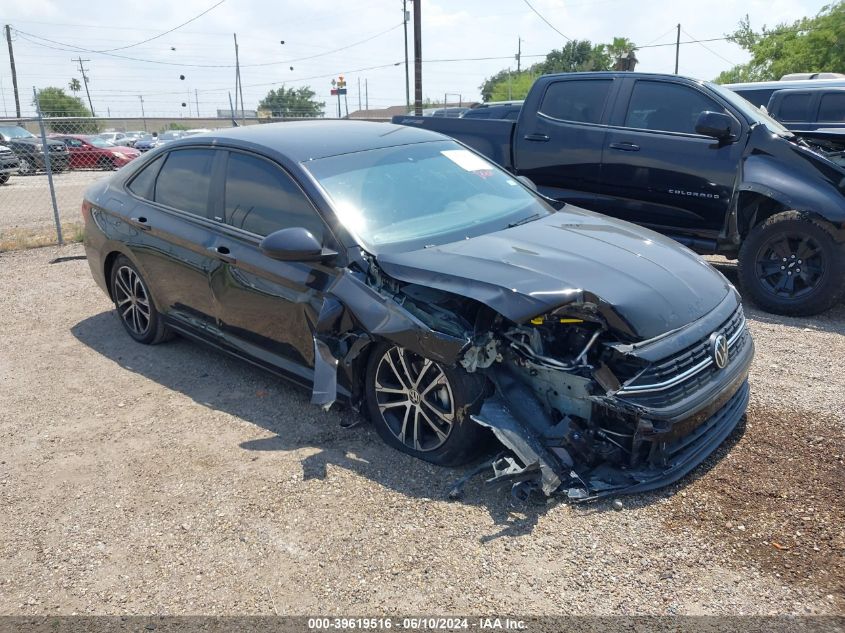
361 39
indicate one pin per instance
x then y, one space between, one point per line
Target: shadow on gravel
342 437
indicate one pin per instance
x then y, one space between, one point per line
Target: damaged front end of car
583 408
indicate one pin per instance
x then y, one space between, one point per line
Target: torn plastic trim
350 305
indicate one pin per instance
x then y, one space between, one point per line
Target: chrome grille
680 375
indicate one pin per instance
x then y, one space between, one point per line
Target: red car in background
92 152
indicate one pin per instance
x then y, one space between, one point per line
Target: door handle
541 138
140 222
222 253
625 147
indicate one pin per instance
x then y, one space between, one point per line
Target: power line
196 17
552 26
73 48
704 46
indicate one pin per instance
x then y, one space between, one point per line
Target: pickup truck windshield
412 196
752 113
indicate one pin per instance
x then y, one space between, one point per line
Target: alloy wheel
24 166
790 266
132 300
415 399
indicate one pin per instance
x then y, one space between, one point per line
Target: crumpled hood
648 282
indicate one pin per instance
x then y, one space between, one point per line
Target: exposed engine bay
582 408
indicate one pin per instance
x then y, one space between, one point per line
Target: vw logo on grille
719 349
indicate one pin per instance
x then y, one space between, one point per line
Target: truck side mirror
715 124
525 180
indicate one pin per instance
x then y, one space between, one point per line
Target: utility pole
519 55
677 48
238 84
407 78
417 58
197 101
366 96
143 116
85 81
14 72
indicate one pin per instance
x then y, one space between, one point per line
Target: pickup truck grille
672 379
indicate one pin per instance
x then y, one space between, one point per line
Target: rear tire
134 304
792 265
422 408
4 178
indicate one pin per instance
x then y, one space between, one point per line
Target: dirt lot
25 200
175 480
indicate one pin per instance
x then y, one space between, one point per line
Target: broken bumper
684 435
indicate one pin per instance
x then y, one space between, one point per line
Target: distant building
392 111
227 114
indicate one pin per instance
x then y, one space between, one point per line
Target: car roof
783 85
305 140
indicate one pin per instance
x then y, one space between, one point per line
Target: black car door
560 147
266 308
170 232
660 172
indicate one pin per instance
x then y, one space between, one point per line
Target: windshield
753 113
15 132
411 196
99 142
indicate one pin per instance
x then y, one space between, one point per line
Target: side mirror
715 124
525 180
295 244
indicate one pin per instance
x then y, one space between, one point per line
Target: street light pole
418 98
407 77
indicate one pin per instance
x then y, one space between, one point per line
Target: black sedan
398 271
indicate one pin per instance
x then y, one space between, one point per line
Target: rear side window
832 107
581 100
261 198
184 182
143 184
794 107
667 107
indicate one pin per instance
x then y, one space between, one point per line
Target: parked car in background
112 137
690 159
92 152
30 151
9 164
808 109
155 140
760 92
131 137
399 271
494 110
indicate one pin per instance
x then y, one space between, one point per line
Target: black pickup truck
689 159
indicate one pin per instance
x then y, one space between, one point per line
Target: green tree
55 102
74 86
574 56
292 103
814 44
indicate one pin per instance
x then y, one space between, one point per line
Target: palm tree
74 85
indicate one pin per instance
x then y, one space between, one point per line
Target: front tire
25 166
135 307
792 265
422 408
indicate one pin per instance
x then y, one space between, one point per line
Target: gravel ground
175 480
25 200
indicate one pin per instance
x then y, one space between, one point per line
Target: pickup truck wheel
422 408
792 265
25 167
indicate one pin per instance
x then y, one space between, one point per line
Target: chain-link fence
48 161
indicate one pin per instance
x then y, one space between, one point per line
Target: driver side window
667 107
261 198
